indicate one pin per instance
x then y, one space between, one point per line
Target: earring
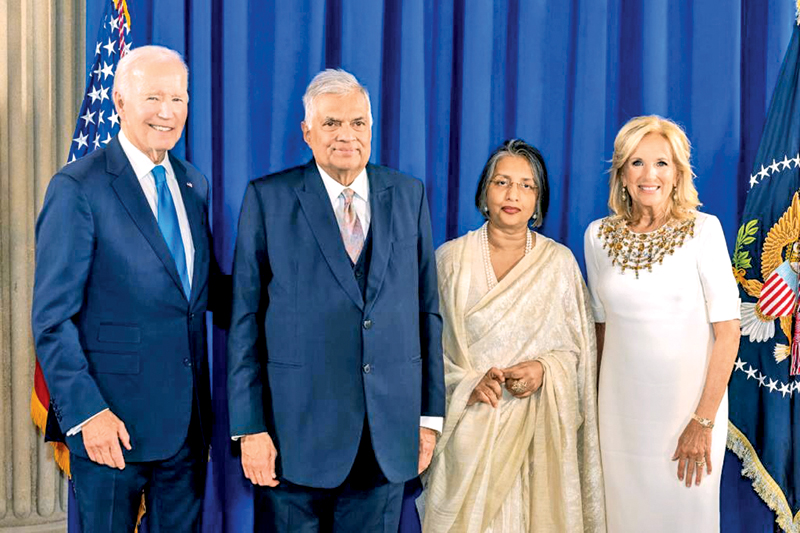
624 194
534 217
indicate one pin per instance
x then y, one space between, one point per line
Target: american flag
98 121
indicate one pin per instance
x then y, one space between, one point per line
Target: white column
41 87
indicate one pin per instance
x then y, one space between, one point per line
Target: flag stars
753 180
785 389
796 160
761 379
94 94
104 94
114 118
88 118
107 139
772 385
81 139
113 23
127 47
739 364
100 119
785 163
774 167
97 48
110 47
764 172
96 141
751 374
107 70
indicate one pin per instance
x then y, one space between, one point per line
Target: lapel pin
189 184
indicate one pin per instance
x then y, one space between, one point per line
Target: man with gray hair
123 268
335 370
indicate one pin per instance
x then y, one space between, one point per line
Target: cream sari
533 464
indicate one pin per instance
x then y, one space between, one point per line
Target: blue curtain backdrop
450 80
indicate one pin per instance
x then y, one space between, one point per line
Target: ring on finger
519 386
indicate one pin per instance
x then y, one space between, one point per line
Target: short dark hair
519 148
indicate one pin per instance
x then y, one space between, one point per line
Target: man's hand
101 437
427 442
258 459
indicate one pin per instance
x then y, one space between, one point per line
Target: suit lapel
381 228
318 212
195 214
130 193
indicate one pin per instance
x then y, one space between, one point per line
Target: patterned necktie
349 225
168 224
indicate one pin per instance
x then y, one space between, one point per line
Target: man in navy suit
122 285
335 370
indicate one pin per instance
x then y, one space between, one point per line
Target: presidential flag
97 124
764 391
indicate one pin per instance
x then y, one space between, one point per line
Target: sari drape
539 310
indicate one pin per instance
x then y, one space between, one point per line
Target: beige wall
41 87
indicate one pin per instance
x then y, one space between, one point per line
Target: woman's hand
693 453
488 390
523 379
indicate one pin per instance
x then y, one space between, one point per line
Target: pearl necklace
487 258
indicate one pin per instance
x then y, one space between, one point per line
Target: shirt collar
142 165
360 185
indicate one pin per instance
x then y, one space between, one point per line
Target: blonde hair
684 200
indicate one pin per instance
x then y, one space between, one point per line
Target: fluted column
41 85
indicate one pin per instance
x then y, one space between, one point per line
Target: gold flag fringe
763 484
798 12
39 416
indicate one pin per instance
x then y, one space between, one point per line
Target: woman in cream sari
519 451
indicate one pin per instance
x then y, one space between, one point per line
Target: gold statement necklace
640 251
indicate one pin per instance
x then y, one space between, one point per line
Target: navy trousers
366 502
109 499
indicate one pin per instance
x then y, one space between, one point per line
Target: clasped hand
521 380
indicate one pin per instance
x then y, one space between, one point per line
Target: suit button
367 323
191 316
367 369
187 362
359 274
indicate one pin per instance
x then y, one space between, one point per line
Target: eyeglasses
523 186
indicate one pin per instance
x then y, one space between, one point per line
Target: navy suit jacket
112 326
309 358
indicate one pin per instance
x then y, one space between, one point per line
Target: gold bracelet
705 422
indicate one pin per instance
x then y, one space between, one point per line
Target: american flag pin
189 184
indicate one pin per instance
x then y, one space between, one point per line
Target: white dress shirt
142 168
360 187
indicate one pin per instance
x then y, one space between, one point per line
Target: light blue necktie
168 224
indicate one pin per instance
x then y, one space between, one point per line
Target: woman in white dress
667 311
519 449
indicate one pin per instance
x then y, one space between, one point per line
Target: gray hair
135 57
531 154
332 81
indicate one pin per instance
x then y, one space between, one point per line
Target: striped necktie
349 225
